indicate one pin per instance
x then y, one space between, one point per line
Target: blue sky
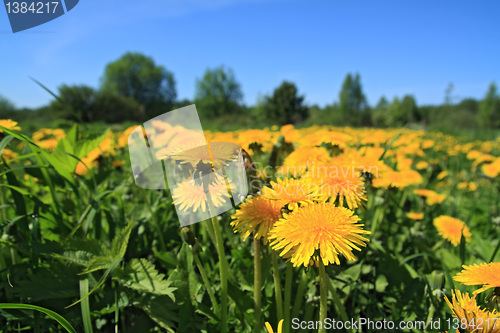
398 47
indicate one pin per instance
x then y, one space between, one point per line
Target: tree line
135 88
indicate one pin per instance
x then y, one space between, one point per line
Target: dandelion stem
336 299
223 274
223 265
430 315
257 285
277 286
323 295
288 296
300 294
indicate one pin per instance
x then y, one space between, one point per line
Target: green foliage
141 275
75 99
61 320
352 102
7 108
489 109
398 113
137 76
83 103
113 108
218 93
285 106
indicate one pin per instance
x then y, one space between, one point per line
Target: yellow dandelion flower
88 162
451 229
483 159
422 165
325 227
472 186
423 192
304 158
435 199
428 144
48 144
486 274
118 163
415 216
471 315
258 214
9 154
9 124
123 137
469 186
293 192
442 175
338 182
492 169
399 179
432 197
472 155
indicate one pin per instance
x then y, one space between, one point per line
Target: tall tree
379 114
75 102
285 106
408 110
6 108
138 76
83 103
353 104
489 109
218 93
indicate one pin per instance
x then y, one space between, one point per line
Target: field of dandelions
340 223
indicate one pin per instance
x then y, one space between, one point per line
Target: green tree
218 93
6 108
489 109
353 104
75 103
408 110
113 108
84 103
285 106
379 114
138 76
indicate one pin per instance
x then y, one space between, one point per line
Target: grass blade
57 317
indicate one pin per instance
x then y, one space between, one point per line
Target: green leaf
17 189
57 165
57 317
98 263
56 281
5 141
70 150
161 310
141 275
120 242
381 158
381 283
462 248
100 283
